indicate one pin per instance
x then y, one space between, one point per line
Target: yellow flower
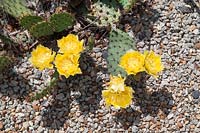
116 83
117 93
70 44
67 64
42 57
153 64
132 62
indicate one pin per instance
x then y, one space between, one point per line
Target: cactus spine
4 63
104 12
16 8
61 21
127 4
120 43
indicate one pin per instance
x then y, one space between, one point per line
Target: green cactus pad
28 21
120 43
4 63
16 8
41 29
127 4
104 12
61 21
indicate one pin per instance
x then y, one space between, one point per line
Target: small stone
38 118
40 129
196 94
180 125
184 9
25 124
170 116
171 102
197 45
61 85
38 74
192 27
192 126
95 125
198 116
134 129
196 31
37 82
36 107
16 126
148 118
60 96
1 125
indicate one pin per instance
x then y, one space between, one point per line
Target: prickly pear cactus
6 41
61 21
127 4
41 29
28 21
16 8
104 12
4 63
120 43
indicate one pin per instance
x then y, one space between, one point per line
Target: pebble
1 125
197 46
134 129
196 94
60 96
170 116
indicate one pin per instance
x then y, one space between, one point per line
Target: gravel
168 104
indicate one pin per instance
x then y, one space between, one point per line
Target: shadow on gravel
155 103
56 114
89 84
13 84
141 20
81 92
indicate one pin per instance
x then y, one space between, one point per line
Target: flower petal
153 64
42 57
70 44
117 93
67 64
132 62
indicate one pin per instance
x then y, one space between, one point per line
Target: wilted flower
70 44
117 93
153 64
132 62
67 64
42 57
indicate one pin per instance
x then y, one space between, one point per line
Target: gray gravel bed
169 104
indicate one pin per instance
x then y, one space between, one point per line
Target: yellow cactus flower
70 44
153 64
42 57
132 62
117 93
116 83
67 64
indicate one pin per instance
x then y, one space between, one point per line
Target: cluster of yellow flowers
133 62
66 60
117 93
67 63
120 95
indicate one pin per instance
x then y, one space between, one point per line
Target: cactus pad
16 8
120 43
104 12
127 4
4 63
41 29
28 21
61 21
